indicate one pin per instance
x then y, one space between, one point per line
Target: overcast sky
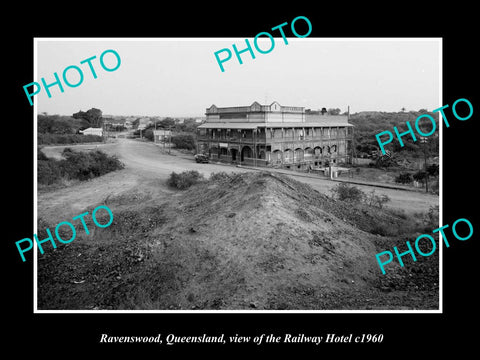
180 77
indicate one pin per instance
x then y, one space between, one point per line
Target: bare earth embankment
256 240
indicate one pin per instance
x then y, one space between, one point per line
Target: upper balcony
262 135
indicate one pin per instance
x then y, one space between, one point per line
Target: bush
185 179
84 166
345 192
148 134
376 200
76 165
184 142
350 193
420 175
48 138
48 172
404 178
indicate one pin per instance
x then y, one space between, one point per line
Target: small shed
161 135
92 131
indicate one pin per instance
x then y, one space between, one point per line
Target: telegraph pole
169 139
424 141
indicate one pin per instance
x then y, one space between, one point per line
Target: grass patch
184 179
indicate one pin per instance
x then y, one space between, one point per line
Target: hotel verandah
275 135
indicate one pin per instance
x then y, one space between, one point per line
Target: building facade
92 131
161 135
275 135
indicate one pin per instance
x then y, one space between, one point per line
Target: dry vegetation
238 241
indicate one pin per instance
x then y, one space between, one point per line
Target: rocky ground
253 240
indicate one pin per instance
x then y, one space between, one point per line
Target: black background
60 335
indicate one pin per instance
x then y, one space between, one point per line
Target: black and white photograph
298 180
262 188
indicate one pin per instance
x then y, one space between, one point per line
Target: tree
45 123
189 125
92 116
184 141
333 111
61 127
148 133
55 124
166 123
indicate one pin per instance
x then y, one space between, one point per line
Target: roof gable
275 106
212 109
255 106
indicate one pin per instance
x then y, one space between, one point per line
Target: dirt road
263 242
147 167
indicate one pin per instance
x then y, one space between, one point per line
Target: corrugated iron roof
220 125
325 123
245 125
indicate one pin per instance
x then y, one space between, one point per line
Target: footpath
321 177
326 178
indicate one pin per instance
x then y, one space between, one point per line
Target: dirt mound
267 232
252 240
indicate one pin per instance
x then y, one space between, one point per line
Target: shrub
404 178
376 200
48 138
184 179
48 172
148 134
420 175
345 192
84 166
76 165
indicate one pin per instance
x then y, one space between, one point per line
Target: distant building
275 135
161 135
92 131
144 122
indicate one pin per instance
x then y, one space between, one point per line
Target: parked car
201 158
